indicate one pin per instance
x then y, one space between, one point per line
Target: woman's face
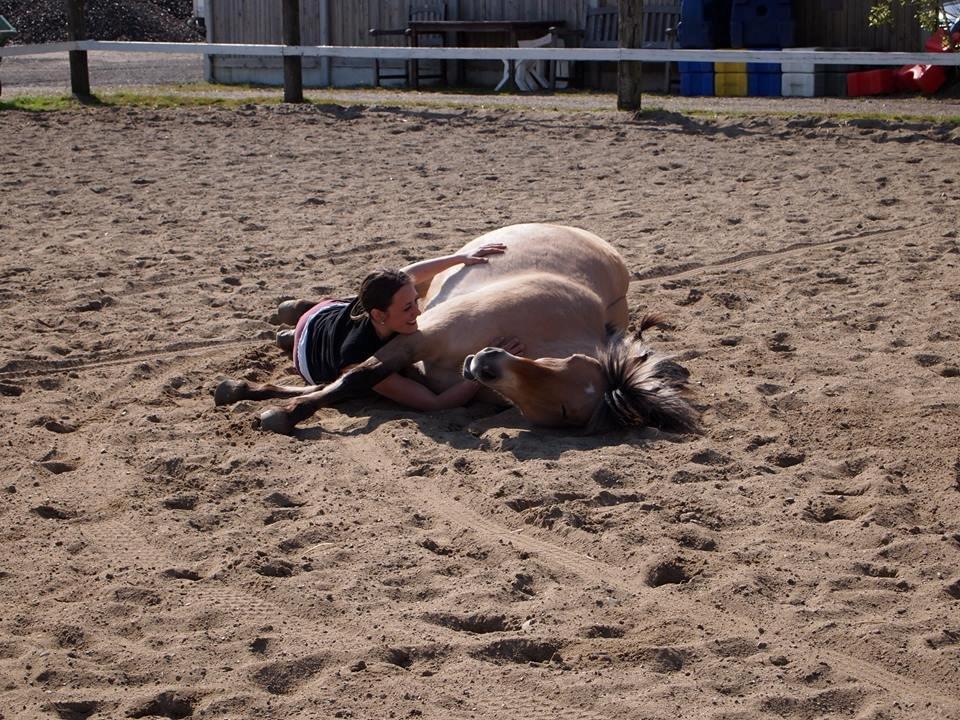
401 316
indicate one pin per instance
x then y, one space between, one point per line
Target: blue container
764 84
696 67
696 83
761 24
763 68
704 24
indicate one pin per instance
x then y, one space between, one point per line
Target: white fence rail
818 57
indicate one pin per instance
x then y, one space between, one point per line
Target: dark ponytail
377 291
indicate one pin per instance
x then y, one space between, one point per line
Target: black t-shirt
335 341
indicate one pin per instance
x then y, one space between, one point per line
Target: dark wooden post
292 64
630 73
77 30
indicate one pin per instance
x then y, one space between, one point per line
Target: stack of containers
763 79
801 79
757 25
704 24
730 79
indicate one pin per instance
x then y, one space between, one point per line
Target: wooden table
514 30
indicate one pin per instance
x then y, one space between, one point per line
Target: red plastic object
921 78
871 82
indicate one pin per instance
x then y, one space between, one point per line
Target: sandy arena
164 558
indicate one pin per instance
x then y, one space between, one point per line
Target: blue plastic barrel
704 24
761 24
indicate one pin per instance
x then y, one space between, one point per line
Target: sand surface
161 557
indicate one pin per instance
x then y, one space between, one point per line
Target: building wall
820 23
843 24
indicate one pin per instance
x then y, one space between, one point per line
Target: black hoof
277 421
229 392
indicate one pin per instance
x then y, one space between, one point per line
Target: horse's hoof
285 340
229 392
277 421
289 311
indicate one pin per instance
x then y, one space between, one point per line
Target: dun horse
562 291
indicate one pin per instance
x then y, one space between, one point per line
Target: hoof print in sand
668 572
778 343
787 459
137 596
180 502
280 678
276 568
659 659
523 584
282 500
824 511
604 631
57 467
829 703
181 574
10 390
519 650
51 512
74 709
169 704
478 623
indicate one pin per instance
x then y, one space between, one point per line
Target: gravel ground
50 74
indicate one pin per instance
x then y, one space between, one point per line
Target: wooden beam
630 74
292 64
77 30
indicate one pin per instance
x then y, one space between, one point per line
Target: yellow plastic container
724 68
730 84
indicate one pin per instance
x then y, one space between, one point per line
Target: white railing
799 55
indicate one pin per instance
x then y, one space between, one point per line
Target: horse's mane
644 387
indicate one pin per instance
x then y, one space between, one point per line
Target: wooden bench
602 28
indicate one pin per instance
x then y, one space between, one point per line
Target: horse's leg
358 381
231 391
289 311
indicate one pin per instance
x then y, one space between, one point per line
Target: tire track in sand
755 257
15 370
599 572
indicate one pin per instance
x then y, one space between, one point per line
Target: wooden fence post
77 30
630 73
292 64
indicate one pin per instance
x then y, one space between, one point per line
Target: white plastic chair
529 75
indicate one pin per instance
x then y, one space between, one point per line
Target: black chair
410 71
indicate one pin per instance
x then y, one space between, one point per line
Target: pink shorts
301 338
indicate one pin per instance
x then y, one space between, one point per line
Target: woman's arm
412 394
423 271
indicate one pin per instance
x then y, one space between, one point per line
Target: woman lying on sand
335 335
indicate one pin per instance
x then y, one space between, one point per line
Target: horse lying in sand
562 291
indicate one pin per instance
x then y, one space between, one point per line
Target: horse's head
549 391
626 385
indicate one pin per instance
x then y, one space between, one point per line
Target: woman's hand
480 254
511 344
